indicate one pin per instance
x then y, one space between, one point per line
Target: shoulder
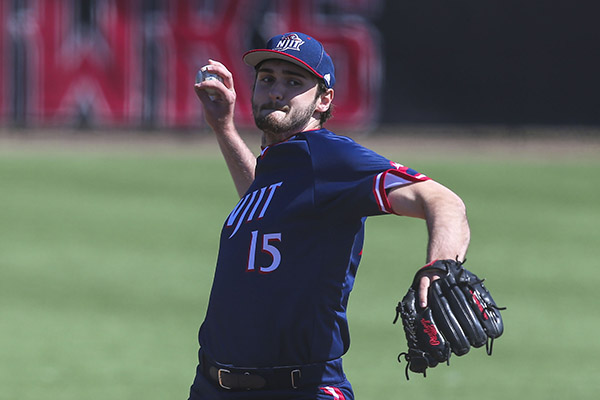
329 149
325 137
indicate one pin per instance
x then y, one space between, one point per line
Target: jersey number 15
266 247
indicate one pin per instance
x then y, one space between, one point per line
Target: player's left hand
459 313
424 283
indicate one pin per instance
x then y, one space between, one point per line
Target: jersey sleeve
352 180
391 178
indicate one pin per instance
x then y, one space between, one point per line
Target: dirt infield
437 141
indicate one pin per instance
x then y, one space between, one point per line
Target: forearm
448 228
444 213
239 158
447 224
218 100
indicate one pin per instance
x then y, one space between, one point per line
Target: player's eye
265 79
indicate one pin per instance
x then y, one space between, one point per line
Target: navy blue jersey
290 249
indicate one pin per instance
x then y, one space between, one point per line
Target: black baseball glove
460 313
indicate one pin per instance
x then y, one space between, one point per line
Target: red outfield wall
133 63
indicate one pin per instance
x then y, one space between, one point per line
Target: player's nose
275 92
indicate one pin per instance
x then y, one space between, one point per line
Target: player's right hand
219 105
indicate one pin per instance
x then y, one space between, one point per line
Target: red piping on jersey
380 194
334 392
379 186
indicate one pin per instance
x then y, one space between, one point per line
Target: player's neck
271 138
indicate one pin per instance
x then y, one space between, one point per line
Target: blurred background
113 191
131 63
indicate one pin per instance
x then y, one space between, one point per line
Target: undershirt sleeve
392 178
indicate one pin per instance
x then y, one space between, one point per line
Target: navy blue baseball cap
300 49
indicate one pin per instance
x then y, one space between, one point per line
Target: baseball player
276 327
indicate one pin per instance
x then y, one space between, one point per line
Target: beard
292 122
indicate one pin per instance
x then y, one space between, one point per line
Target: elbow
446 207
460 205
440 198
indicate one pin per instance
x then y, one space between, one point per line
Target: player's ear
324 100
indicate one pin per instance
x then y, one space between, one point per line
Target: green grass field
106 260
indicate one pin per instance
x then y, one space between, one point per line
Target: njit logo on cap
289 42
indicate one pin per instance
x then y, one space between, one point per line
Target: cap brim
255 57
